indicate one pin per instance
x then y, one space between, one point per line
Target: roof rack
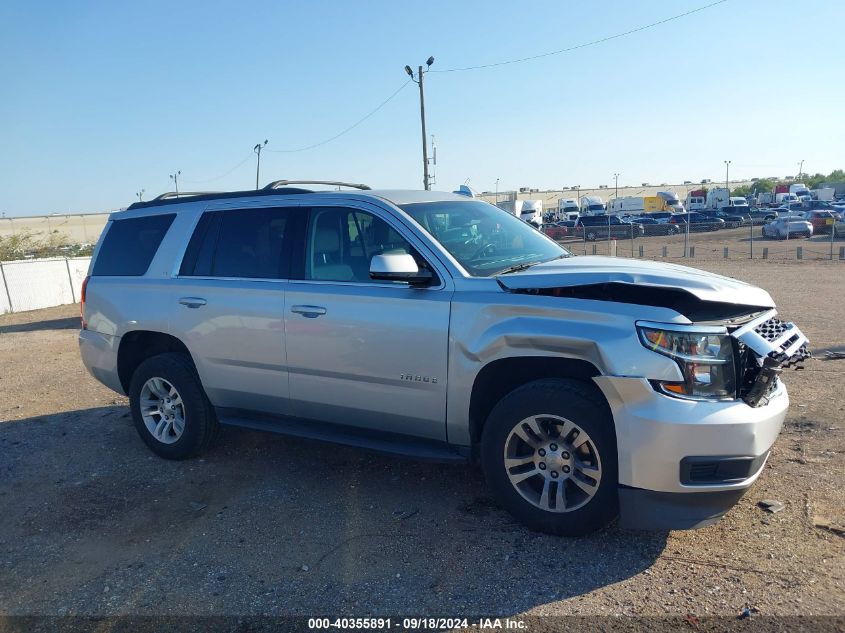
284 183
179 194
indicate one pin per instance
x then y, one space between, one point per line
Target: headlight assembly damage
718 364
704 357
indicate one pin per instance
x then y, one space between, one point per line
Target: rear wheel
548 452
169 407
591 236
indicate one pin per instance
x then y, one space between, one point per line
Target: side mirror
398 267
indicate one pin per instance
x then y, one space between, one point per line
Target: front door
364 353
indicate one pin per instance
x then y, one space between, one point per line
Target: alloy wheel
162 410
552 463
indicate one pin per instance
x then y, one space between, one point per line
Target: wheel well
138 346
500 377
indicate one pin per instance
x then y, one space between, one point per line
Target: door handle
310 312
192 302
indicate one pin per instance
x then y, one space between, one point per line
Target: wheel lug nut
554 474
565 455
553 447
542 466
565 469
542 452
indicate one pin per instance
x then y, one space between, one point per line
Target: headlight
705 359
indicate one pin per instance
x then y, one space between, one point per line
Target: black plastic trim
653 510
705 470
368 439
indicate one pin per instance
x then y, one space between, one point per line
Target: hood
592 269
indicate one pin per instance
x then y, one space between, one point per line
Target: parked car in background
661 216
697 222
597 227
655 227
839 228
728 216
787 228
555 231
759 215
822 221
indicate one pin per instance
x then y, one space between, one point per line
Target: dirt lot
710 245
92 523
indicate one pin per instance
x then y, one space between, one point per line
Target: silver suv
439 326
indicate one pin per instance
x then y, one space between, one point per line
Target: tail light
82 303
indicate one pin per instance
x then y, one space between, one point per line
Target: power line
578 46
348 129
248 156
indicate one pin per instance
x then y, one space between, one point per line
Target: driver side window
342 242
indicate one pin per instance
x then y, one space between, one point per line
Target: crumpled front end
765 347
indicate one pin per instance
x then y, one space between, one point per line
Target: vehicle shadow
68 323
95 523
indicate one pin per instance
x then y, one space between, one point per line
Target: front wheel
548 452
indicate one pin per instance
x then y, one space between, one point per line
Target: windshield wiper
526 265
517 267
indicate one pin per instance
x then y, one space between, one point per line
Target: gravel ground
92 523
710 245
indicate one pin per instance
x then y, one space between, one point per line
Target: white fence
41 283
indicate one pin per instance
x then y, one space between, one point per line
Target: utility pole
727 171
800 169
140 195
419 81
497 191
616 178
257 149
175 179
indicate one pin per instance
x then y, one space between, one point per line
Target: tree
764 185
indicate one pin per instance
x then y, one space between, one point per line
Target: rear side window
245 243
130 245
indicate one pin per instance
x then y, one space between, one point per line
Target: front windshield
484 239
596 207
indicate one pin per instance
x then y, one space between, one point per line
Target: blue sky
101 99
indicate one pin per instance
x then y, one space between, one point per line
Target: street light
497 191
616 178
727 171
419 81
257 149
175 179
140 195
800 170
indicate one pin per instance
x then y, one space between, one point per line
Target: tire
575 405
198 422
591 237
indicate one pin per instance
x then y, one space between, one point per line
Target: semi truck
697 200
592 205
532 212
567 209
671 202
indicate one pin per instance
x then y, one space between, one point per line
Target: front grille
771 329
763 349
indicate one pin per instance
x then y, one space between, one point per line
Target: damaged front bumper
766 346
683 463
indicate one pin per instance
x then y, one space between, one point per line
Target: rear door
364 353
230 302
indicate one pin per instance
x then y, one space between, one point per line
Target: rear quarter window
130 245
